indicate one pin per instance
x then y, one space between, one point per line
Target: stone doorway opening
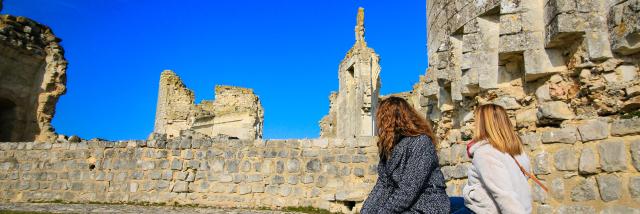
8 119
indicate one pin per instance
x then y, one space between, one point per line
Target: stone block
564 135
627 72
526 117
566 159
631 104
616 209
613 155
510 24
635 153
244 189
623 127
573 209
633 90
610 187
176 164
585 190
232 166
542 62
507 102
531 140
277 179
557 189
358 172
555 111
541 165
634 186
588 162
598 45
596 129
293 165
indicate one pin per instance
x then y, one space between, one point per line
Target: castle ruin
32 78
352 109
566 71
236 112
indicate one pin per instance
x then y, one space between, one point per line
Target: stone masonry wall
192 169
567 73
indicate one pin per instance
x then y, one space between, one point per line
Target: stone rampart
332 174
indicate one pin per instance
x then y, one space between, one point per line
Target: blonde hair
492 124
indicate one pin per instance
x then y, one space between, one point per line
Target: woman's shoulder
418 141
484 147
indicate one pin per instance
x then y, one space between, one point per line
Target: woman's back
410 180
495 182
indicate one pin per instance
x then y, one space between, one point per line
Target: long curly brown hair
396 119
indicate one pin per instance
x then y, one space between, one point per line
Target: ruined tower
236 112
32 78
359 87
174 104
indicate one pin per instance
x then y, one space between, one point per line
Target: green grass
20 212
312 210
631 115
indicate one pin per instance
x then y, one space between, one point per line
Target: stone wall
192 169
567 73
32 78
235 112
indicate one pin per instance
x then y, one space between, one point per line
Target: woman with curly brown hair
409 177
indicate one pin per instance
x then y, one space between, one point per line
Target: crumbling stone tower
236 112
32 78
174 104
359 88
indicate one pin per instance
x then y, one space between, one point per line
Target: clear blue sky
288 51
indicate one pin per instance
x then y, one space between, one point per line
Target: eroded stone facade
32 78
352 109
566 71
236 112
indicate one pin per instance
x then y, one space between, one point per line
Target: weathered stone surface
555 110
531 140
613 155
570 209
594 130
236 112
610 187
541 165
634 186
588 162
623 127
635 153
180 186
359 76
33 78
615 209
586 190
566 159
557 189
564 135
526 117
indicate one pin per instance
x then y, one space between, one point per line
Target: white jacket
496 184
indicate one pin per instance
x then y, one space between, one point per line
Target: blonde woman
498 177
